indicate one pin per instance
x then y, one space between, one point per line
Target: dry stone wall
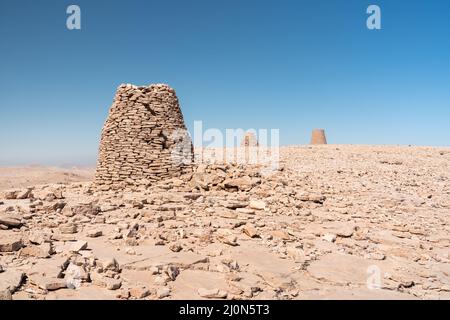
144 138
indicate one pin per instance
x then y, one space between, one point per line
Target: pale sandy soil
335 222
17 177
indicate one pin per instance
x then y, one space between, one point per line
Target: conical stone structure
249 140
318 137
144 138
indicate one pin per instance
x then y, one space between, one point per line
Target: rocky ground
334 222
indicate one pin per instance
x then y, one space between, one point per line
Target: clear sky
292 65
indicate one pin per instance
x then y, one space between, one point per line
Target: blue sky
292 65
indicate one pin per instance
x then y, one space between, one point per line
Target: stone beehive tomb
318 136
144 138
249 140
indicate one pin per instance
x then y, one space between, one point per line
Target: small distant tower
249 149
249 140
318 136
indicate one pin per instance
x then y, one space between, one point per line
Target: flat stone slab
345 269
189 281
179 259
260 259
10 241
47 283
48 267
339 293
135 277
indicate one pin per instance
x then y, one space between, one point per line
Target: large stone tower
144 138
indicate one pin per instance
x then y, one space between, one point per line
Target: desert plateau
333 222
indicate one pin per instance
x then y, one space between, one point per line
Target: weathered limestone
9 282
144 138
318 137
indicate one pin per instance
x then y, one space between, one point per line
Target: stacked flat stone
140 141
249 140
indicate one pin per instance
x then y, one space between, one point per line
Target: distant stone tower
249 140
144 138
318 137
